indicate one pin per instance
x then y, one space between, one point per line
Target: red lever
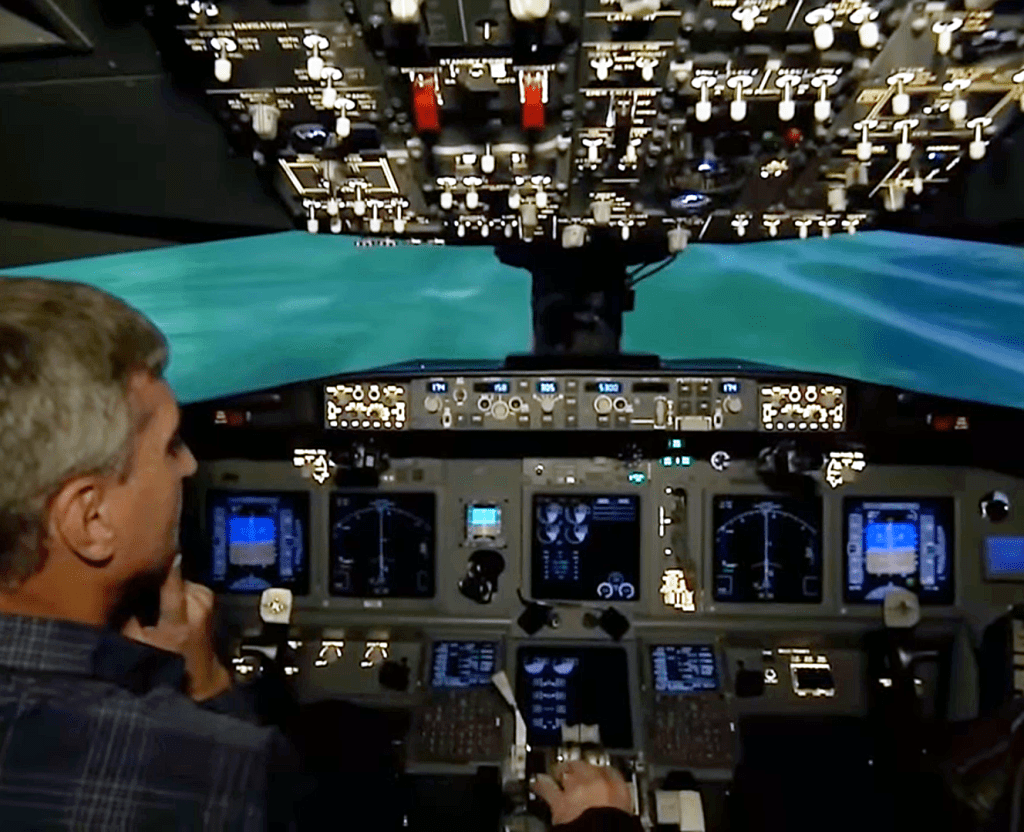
424 107
533 107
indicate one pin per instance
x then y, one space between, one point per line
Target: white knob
472 199
678 238
527 10
895 198
602 211
803 230
222 70
822 109
773 228
647 73
601 70
264 120
399 224
864 151
312 225
405 11
904 150
359 207
787 109
314 66
487 163
917 184
900 104
447 200
343 126
332 207
977 149
837 199
824 36
335 225
703 111
514 200
625 231
541 198
375 225
945 42
869 34
738 108
958 110
330 97
748 23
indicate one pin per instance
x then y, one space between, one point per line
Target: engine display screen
899 543
586 547
574 686
382 544
463 664
767 549
259 540
684 668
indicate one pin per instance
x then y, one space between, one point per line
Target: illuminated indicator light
684 460
675 443
637 477
668 551
666 461
376 424
533 107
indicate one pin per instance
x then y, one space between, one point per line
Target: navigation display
259 541
574 686
684 668
463 664
586 547
382 544
767 549
904 542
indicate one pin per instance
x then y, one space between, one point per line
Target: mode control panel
552 402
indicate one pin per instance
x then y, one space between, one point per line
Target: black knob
995 506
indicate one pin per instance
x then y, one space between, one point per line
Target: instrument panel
636 120
694 577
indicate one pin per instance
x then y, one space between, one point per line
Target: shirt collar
50 645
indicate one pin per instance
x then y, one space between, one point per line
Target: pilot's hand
583 786
185 627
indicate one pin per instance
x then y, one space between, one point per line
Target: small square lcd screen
574 686
586 547
903 542
684 668
259 540
463 664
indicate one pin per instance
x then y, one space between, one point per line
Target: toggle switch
904 150
867 29
821 22
314 63
865 149
405 11
704 83
944 30
526 10
425 105
533 106
787 107
222 64
747 16
823 106
900 99
976 149
738 107
330 74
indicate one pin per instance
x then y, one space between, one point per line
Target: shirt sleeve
235 702
602 820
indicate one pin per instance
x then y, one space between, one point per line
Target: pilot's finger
172 595
546 789
612 775
133 629
203 595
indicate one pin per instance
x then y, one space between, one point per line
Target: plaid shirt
96 734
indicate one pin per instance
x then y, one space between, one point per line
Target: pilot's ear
80 519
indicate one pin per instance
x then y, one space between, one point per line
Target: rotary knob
499 410
732 404
432 404
603 405
995 507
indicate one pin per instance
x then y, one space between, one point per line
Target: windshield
934 315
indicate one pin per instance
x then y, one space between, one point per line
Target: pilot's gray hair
67 354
